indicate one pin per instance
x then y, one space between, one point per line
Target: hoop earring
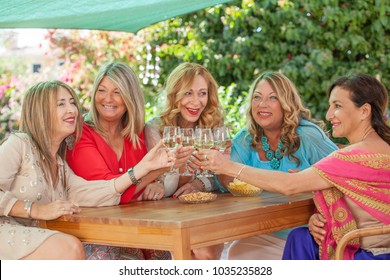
69 140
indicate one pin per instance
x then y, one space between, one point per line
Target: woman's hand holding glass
171 140
222 139
157 158
183 155
214 160
188 140
203 140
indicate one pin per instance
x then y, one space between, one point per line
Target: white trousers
260 247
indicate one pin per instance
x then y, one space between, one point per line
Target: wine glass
187 139
171 139
204 140
222 139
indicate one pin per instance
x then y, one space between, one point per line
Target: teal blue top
314 145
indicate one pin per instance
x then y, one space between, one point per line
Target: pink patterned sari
362 176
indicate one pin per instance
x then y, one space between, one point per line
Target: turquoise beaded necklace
273 157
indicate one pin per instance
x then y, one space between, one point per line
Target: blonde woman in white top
37 184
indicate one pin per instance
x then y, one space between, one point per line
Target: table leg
181 246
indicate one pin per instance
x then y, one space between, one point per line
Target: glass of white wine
222 139
171 139
187 139
204 140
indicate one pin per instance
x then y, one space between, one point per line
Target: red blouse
93 159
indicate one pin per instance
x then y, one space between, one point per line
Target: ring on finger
191 158
205 157
155 196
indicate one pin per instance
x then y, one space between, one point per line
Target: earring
69 140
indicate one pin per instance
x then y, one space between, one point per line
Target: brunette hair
364 89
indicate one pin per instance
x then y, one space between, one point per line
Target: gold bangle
239 172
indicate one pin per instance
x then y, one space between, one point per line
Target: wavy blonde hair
133 120
293 112
39 118
178 83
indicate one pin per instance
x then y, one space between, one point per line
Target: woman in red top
112 141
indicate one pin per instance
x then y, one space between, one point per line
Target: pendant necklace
273 157
123 151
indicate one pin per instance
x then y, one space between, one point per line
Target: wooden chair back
357 233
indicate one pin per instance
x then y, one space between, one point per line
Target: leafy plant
312 42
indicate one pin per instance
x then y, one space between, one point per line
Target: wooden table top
175 214
169 224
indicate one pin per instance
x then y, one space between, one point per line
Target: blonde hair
293 112
130 90
39 118
178 83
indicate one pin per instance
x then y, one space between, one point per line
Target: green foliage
312 42
234 112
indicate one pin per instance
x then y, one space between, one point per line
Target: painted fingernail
174 196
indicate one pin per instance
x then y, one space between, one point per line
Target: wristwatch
132 177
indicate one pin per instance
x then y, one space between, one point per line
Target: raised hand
213 160
158 158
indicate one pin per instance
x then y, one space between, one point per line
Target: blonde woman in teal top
314 145
280 135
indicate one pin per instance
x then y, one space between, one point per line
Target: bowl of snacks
199 197
240 188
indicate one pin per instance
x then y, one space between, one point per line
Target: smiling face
343 114
194 102
266 109
66 114
109 102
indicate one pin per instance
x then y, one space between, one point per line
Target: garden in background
312 42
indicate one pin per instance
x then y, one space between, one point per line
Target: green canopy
118 15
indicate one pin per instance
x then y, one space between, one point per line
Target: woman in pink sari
351 187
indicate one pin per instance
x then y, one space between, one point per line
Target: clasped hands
208 159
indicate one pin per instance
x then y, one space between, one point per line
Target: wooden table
171 225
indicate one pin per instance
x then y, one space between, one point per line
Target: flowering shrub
9 109
310 42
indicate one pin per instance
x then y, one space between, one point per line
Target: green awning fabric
119 15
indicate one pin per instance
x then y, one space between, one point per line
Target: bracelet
132 177
206 183
203 184
239 172
160 179
27 207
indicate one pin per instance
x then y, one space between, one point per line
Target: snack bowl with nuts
240 188
198 197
